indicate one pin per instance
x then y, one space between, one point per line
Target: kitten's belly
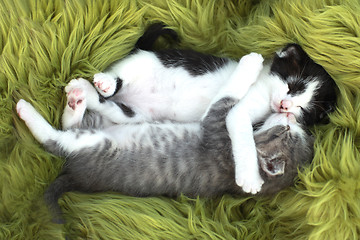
146 134
176 98
158 92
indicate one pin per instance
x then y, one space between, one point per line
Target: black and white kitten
180 85
152 159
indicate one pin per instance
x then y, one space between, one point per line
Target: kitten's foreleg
58 142
245 74
240 130
239 124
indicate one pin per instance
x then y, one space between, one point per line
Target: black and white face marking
311 92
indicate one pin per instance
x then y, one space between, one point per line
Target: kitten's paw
75 92
28 113
105 84
25 110
35 122
81 94
252 62
252 59
249 184
76 99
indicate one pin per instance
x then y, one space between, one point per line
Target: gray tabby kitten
152 159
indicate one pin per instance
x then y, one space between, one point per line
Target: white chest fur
161 92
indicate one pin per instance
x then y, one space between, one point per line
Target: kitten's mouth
275 108
273 167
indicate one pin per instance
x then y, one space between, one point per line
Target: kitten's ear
290 51
324 115
273 166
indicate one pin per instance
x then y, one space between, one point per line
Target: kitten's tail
152 33
62 184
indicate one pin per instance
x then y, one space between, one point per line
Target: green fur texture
44 44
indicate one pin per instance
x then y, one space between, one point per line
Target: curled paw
252 59
105 84
75 93
81 94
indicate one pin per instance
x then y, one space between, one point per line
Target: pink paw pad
101 87
75 98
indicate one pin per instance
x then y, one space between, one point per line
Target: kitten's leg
108 111
61 143
58 142
75 114
106 84
240 130
106 108
75 106
245 74
239 124
38 126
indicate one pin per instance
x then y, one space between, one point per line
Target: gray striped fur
193 159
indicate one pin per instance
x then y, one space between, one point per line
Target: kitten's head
282 145
309 92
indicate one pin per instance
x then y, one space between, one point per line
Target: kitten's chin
291 117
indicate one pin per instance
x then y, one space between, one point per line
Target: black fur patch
296 88
127 111
152 33
194 62
119 83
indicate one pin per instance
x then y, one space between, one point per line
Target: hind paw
75 93
105 84
81 92
26 111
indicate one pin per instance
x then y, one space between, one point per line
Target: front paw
250 183
252 59
105 84
253 62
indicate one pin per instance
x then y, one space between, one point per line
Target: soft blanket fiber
44 44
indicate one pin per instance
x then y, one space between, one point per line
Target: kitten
146 80
180 85
152 159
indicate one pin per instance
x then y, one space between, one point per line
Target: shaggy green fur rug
44 44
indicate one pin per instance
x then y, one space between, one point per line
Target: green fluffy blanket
44 44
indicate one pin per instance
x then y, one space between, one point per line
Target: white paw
25 111
252 62
81 94
35 122
252 59
250 183
105 84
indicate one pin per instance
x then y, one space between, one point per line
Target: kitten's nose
285 104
